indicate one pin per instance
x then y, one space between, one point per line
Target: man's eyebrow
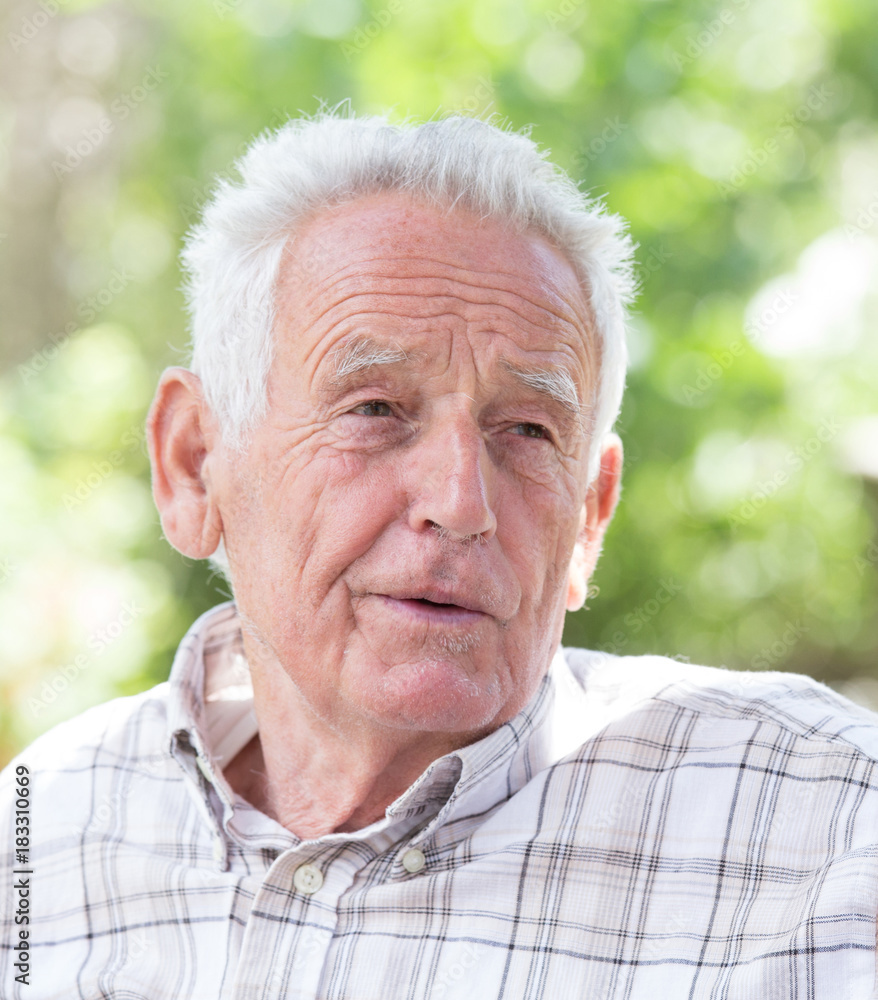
364 353
556 383
357 356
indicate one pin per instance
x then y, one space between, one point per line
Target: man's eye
530 430
373 408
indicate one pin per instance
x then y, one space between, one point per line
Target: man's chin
444 692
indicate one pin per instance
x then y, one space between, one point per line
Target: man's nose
453 481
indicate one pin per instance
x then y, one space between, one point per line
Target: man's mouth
434 610
438 605
439 600
455 598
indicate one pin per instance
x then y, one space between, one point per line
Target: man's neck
315 778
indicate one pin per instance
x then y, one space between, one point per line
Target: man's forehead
393 269
363 245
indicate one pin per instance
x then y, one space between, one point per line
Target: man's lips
438 598
430 598
430 611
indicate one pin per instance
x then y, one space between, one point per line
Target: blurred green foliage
737 136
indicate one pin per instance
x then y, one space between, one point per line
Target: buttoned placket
292 926
292 922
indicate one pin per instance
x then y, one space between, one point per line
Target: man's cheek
546 502
536 571
346 519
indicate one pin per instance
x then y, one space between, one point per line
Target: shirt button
307 879
413 860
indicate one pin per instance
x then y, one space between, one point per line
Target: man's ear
597 511
181 434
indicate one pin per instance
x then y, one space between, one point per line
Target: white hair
232 258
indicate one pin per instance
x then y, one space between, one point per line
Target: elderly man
375 775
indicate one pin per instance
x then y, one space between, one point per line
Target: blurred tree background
739 138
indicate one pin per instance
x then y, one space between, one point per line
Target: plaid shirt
642 829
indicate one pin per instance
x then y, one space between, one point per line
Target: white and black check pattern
643 829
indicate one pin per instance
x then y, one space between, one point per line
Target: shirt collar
211 709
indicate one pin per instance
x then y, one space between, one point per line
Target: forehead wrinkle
449 282
501 317
434 308
386 256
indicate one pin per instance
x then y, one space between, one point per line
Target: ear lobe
577 579
597 512
181 434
